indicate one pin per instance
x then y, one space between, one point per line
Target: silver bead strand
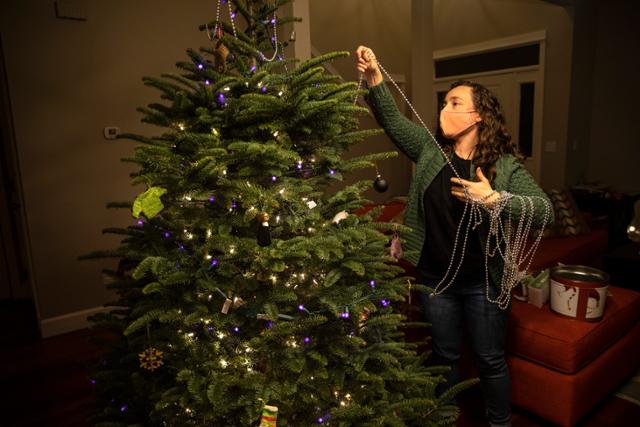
233 23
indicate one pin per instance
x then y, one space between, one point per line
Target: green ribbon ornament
149 202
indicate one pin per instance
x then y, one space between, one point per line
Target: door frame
13 217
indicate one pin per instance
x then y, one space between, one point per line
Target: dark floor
46 383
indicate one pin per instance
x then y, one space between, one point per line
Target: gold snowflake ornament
150 359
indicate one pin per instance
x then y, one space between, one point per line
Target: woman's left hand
476 190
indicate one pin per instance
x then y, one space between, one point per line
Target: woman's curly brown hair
494 139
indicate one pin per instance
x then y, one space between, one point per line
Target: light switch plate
550 146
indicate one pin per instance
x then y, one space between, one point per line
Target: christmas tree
254 294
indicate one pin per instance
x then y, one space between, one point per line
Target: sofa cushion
585 249
392 211
566 345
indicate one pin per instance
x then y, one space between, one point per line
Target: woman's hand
368 65
480 190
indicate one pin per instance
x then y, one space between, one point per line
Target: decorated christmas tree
250 292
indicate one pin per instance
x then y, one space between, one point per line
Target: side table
623 265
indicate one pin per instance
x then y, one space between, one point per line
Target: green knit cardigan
414 141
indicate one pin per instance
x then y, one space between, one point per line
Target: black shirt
443 213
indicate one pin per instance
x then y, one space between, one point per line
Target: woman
489 169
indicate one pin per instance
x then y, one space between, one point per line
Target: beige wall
69 79
614 146
385 27
462 22
582 82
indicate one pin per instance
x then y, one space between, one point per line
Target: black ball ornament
380 184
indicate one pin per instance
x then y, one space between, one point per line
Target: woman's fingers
462 182
361 51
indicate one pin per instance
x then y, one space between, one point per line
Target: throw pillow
569 219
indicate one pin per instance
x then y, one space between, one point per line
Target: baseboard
68 322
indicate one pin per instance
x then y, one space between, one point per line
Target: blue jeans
466 304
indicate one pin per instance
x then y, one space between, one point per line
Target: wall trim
70 322
490 45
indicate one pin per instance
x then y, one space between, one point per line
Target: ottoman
560 367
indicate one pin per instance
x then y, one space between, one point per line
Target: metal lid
579 273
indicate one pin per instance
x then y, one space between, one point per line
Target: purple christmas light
140 222
207 82
212 199
320 420
214 262
200 66
344 314
306 340
253 68
332 172
385 303
93 381
264 89
167 234
221 98
274 178
124 408
236 329
372 283
270 324
301 307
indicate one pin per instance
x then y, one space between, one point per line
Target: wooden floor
46 383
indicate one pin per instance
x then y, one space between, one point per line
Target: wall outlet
111 132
